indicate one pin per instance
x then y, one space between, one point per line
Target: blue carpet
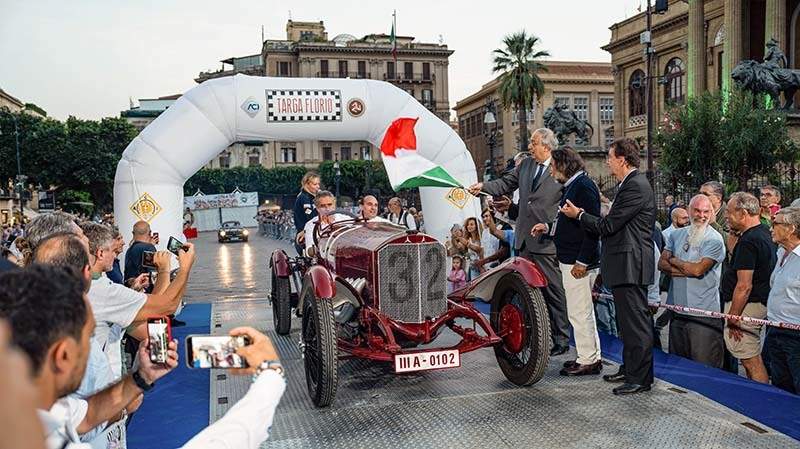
177 408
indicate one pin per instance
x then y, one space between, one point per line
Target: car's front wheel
519 316
320 355
281 304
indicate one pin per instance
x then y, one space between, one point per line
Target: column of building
619 102
776 23
697 48
733 39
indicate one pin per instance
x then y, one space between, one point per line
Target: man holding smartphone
143 240
117 307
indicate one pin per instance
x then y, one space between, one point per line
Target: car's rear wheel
519 316
320 355
281 304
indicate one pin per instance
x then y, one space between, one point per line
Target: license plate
421 361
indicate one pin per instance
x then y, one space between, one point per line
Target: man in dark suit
627 262
539 195
578 253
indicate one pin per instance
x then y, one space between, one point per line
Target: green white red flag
405 167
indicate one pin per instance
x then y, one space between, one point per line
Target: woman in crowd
472 233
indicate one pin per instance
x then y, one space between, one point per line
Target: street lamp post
489 119
20 179
337 175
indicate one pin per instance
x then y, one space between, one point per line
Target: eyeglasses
781 223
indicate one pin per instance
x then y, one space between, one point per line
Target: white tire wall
210 117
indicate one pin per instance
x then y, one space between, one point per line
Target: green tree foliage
76 155
520 63
353 182
709 138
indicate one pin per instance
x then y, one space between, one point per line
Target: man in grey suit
539 196
627 263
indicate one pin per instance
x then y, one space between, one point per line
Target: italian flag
406 168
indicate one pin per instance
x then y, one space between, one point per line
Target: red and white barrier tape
710 313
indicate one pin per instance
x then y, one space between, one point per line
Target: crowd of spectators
65 309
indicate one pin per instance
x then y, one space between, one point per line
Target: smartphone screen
174 245
147 259
215 351
159 334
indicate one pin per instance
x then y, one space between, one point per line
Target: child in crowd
457 277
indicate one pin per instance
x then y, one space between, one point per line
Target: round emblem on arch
355 107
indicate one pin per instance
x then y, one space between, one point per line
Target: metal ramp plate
474 406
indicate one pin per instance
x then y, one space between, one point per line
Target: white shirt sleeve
247 423
116 303
411 222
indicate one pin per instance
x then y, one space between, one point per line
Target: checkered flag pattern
306 97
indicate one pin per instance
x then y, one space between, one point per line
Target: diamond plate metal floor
474 406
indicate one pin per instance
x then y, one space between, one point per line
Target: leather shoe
582 370
619 376
570 363
627 388
558 350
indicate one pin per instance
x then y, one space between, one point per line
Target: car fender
318 278
483 286
280 263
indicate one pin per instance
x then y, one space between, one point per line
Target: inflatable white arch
210 117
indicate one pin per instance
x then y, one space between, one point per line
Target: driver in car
325 204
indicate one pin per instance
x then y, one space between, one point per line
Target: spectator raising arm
166 303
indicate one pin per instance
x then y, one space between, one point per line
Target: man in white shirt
52 322
399 216
325 203
115 306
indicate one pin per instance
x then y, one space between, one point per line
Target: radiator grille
412 281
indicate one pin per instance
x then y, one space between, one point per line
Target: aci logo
251 107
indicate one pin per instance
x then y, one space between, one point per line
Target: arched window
675 81
636 94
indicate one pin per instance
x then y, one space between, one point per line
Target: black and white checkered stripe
336 116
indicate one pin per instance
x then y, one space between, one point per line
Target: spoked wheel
281 304
319 349
519 316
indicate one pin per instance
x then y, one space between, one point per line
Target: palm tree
520 64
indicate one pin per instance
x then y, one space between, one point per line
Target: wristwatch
141 383
274 365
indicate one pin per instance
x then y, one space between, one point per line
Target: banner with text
237 199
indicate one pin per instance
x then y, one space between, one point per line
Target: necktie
539 172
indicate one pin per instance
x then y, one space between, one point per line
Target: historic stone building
421 69
587 88
696 45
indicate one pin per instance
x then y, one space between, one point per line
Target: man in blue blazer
626 262
578 252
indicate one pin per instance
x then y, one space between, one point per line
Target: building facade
587 88
421 69
696 46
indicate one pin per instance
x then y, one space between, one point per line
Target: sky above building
87 58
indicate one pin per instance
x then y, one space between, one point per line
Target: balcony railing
637 120
409 77
354 75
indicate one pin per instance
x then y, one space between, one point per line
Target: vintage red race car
378 291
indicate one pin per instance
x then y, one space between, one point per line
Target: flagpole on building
394 35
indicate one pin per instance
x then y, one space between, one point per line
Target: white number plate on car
420 361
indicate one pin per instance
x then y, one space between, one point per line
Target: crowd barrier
724 316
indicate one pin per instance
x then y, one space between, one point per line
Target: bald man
143 240
693 256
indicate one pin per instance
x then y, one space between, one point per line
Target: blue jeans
783 346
